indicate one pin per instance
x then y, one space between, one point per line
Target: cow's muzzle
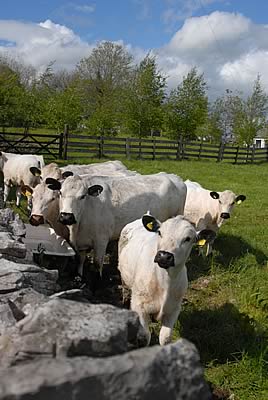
164 259
67 218
225 215
36 220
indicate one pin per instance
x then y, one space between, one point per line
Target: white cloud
39 44
228 48
85 8
179 10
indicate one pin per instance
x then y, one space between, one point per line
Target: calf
152 257
207 209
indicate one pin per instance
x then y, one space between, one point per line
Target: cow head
176 237
226 201
73 194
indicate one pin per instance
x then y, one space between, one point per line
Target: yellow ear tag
239 202
150 226
27 193
201 242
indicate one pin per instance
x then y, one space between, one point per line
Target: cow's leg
143 317
18 196
6 191
168 321
99 254
82 257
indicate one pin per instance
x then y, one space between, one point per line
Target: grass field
225 312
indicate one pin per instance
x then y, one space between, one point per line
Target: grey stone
11 246
12 221
25 300
172 372
14 276
61 327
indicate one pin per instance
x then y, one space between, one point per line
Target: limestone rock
171 372
60 328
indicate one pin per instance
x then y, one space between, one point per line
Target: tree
251 117
187 106
103 76
144 98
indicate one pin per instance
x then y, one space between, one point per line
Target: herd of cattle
157 219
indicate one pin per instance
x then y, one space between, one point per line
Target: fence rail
70 146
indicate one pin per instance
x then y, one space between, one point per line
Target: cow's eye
159 233
60 193
220 202
233 203
82 197
188 239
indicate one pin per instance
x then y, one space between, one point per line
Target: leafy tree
187 106
251 115
10 94
144 99
103 76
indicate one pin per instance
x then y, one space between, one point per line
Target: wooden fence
72 147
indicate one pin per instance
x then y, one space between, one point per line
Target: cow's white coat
101 219
154 290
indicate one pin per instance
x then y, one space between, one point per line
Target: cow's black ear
214 195
95 190
26 190
240 199
35 171
53 184
150 223
65 174
204 236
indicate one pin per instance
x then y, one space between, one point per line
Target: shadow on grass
226 250
232 247
221 334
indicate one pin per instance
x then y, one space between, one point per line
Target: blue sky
139 22
226 39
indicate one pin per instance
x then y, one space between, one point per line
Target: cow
97 209
208 209
15 168
152 257
52 170
45 203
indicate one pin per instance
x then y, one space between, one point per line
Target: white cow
152 257
97 209
45 203
208 209
108 168
16 172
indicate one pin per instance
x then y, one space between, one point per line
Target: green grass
225 312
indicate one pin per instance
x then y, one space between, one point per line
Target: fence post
253 153
220 153
247 154
60 145
179 149
153 149
200 148
101 141
127 148
65 141
139 157
236 155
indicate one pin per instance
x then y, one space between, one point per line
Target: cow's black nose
67 218
36 220
225 215
164 259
